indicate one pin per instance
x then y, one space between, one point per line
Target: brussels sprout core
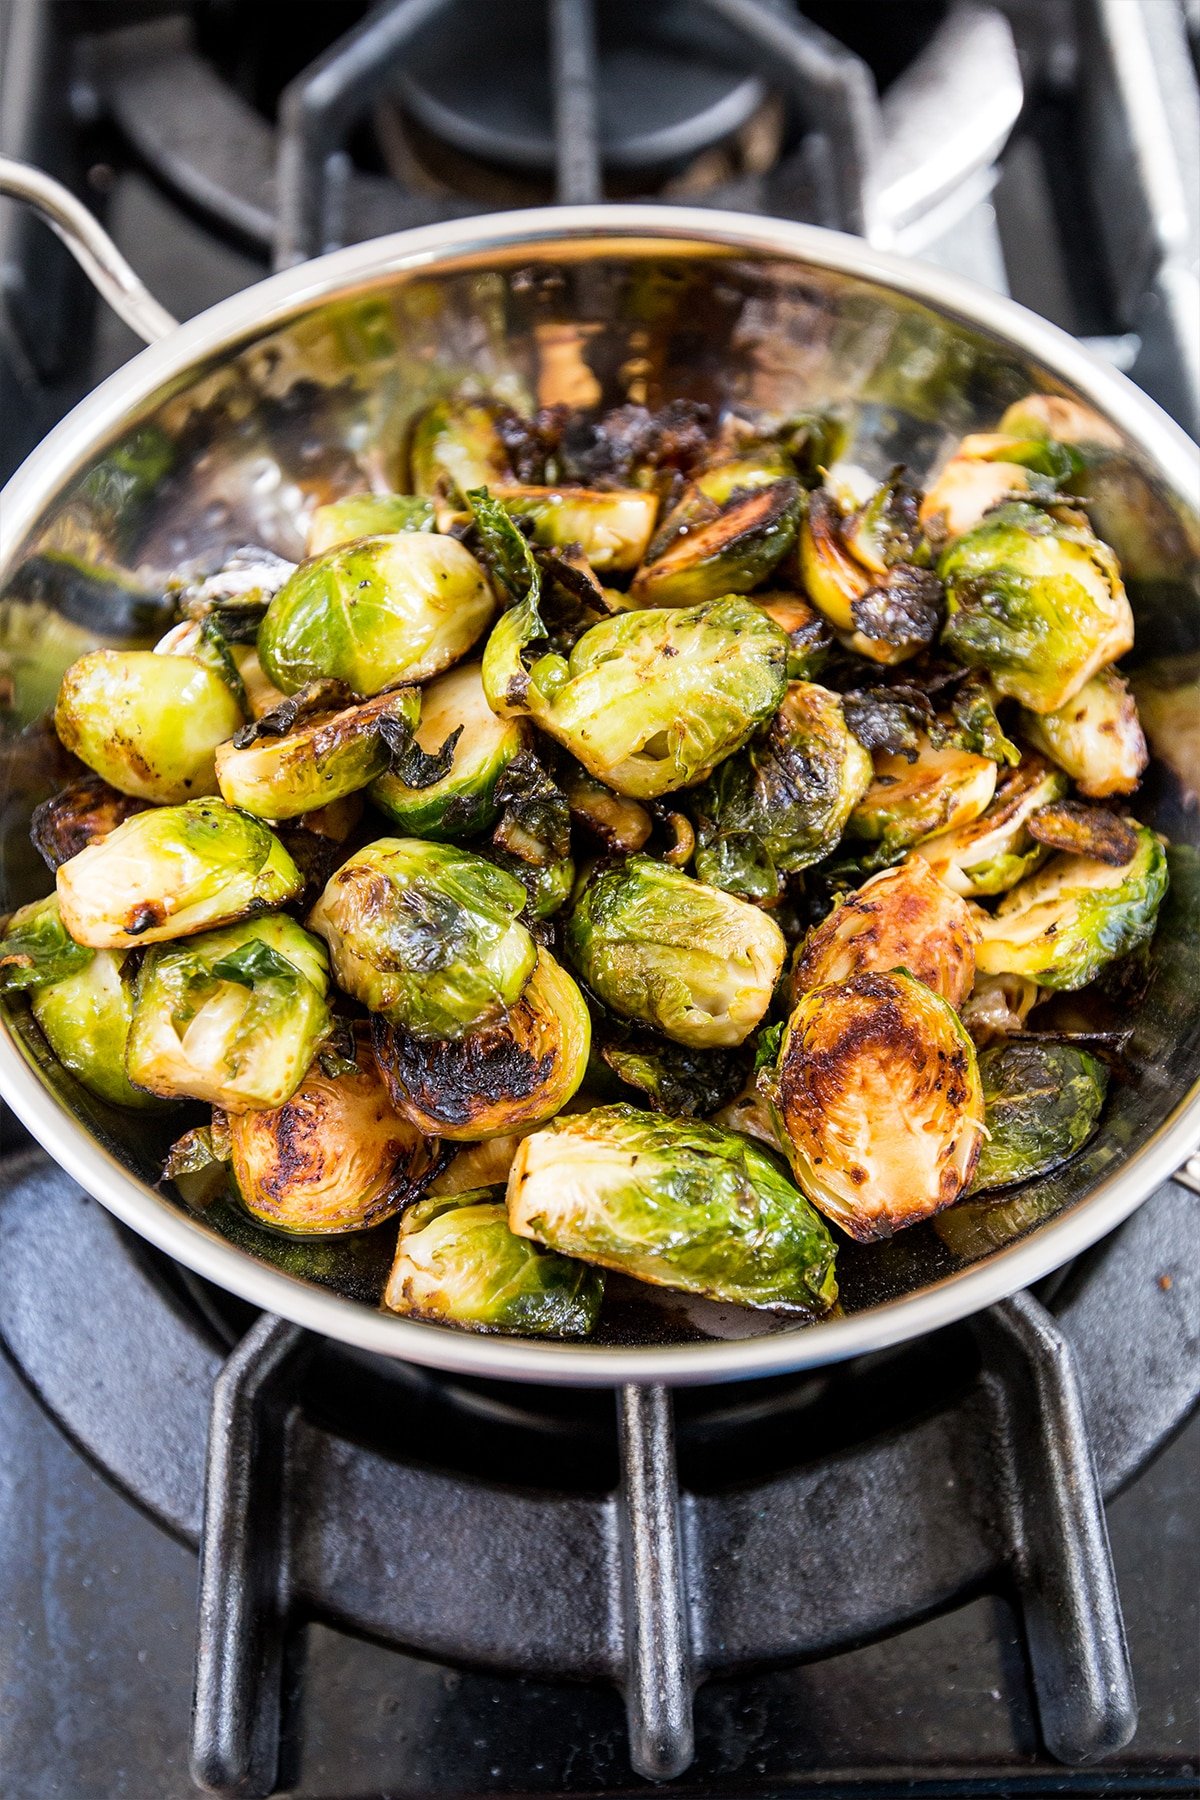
149 724
878 1096
673 1202
689 959
902 918
427 935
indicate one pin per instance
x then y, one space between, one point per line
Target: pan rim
226 328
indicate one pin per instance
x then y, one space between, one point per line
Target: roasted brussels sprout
685 1084
620 824
232 1016
783 802
992 853
454 446
998 1006
1060 926
308 753
986 471
172 871
730 555
376 612
427 935
547 886
1043 1103
878 1097
1037 601
335 1157
648 701
461 803
910 800
886 608
1084 830
612 526
85 812
1096 736
37 949
459 1263
85 1018
482 1164
902 918
149 724
1168 693
808 633
674 1202
500 1077
365 515
694 962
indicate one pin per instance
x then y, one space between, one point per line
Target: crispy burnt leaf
687 1084
888 717
535 824
314 698
1083 830
908 609
502 548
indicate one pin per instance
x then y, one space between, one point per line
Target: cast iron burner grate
324 1485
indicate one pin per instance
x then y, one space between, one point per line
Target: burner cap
667 86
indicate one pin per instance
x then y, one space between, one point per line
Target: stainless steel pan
215 435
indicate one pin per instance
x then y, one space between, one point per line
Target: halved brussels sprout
459 1263
1168 693
612 526
1096 737
301 758
992 853
620 824
878 1096
376 612
516 1072
908 801
172 871
689 959
37 949
998 1006
1043 1103
982 474
673 1202
648 701
365 515
714 487
335 1157
808 632
461 803
149 724
783 802
483 1164
84 812
1063 924
730 555
902 918
886 608
427 935
454 446
232 1016
1037 601
85 1018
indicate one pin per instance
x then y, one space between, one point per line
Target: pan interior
235 449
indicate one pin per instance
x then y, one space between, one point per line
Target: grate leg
239 1637
658 1658
1058 1538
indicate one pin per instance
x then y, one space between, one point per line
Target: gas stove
966 1566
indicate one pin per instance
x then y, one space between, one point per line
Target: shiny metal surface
302 386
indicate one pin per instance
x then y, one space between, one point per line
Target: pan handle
91 247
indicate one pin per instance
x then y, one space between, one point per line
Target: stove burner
666 87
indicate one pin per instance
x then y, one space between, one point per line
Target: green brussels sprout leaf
37 950
1043 1102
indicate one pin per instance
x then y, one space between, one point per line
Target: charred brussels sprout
462 802
902 918
427 935
85 1018
335 1157
501 1077
1043 1104
297 759
458 1262
910 800
992 853
454 446
877 1094
781 804
611 526
1096 737
37 949
731 555
860 574
694 962
172 871
149 724
1060 926
85 812
1037 601
648 701
376 612
233 1017
673 1202
366 515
